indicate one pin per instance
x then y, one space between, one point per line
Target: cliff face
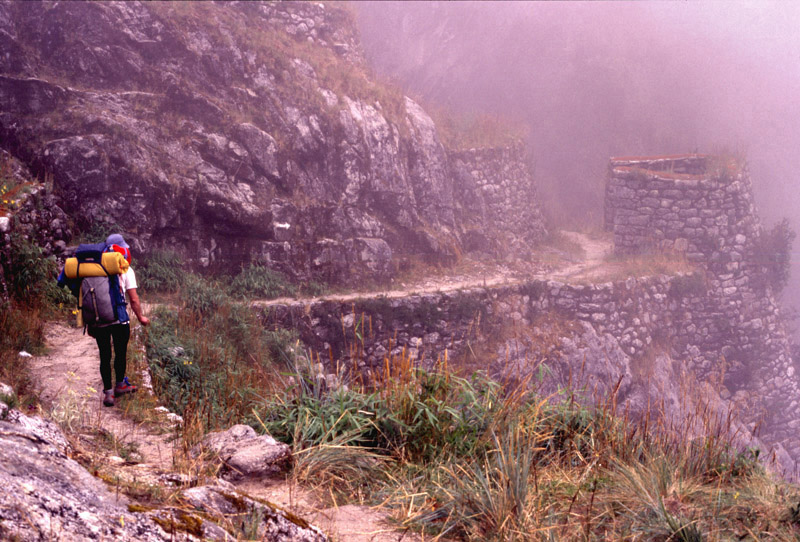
231 132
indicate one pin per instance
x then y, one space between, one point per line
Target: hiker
118 333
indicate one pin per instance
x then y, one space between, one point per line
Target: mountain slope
230 133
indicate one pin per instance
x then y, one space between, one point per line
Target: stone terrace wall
369 330
702 207
496 196
632 313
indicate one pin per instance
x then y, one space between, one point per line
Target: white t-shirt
127 281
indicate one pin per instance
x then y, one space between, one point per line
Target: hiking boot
108 397
124 387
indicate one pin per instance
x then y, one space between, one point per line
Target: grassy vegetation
210 357
161 272
469 460
462 131
33 296
466 458
617 267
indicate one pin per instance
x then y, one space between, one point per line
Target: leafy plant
32 276
161 271
260 282
771 253
212 357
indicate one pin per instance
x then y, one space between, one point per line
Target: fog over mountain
593 80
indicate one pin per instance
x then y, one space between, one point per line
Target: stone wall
725 319
327 25
619 333
496 199
424 326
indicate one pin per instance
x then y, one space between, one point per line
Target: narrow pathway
594 254
68 379
69 383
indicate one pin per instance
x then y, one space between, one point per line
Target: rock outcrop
222 501
49 496
240 132
242 453
34 216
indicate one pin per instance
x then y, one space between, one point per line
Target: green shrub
691 285
212 358
32 276
260 282
161 271
772 254
202 295
429 415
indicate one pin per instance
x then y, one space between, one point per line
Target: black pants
120 333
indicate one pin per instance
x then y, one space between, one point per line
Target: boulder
243 453
48 496
223 502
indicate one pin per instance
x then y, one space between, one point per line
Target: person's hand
144 320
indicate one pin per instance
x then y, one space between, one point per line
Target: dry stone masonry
425 326
718 322
726 318
497 199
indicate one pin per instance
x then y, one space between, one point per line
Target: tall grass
211 358
470 460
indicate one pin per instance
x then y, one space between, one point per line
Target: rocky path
68 378
69 383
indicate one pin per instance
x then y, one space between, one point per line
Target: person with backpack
118 332
101 278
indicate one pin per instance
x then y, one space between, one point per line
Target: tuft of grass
470 460
161 271
462 131
617 267
71 412
260 282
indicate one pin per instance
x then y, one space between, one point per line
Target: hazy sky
596 79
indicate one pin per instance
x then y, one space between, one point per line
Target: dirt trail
68 378
594 252
69 383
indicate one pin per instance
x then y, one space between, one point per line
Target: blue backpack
102 303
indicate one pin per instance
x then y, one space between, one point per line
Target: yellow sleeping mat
114 262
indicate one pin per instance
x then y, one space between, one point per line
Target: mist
593 80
